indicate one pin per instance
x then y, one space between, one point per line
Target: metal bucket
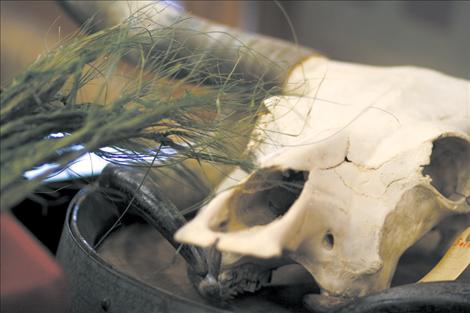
96 285
136 270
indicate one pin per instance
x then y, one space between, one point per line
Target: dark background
432 34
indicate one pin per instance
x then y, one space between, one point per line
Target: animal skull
351 173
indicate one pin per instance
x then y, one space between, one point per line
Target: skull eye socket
449 168
266 196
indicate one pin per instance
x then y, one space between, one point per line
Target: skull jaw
241 274
347 277
336 278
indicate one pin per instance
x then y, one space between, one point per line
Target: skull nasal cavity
285 191
266 196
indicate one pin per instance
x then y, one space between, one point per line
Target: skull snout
251 218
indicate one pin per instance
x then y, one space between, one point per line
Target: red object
31 281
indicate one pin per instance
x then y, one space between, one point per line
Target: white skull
381 156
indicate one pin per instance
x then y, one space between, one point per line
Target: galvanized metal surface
96 285
137 270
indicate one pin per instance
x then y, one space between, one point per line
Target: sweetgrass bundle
127 93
